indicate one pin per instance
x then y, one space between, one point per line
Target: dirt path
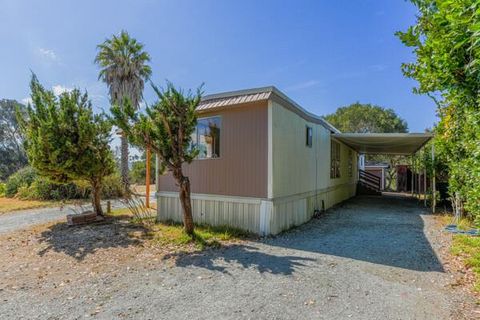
371 258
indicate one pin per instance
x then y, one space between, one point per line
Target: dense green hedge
26 184
2 189
22 178
445 42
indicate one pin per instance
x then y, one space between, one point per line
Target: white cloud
59 89
47 53
26 100
302 85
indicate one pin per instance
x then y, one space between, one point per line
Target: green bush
112 186
2 189
43 189
22 178
139 169
26 184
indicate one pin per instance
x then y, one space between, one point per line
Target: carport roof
384 143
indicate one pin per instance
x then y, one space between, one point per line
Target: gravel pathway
370 258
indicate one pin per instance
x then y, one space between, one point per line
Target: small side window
334 160
350 163
206 137
309 137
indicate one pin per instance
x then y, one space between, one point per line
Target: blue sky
322 54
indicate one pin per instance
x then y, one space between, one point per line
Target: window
206 137
309 137
350 163
334 160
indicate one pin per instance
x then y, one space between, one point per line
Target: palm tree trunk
124 163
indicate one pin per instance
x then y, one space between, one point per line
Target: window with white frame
334 160
206 137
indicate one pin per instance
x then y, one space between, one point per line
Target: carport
405 144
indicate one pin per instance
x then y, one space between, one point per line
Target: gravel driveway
370 258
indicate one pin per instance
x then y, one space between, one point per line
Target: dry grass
12 204
465 248
468 248
141 189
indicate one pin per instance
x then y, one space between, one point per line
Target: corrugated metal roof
231 101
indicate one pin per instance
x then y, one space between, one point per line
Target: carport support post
425 186
419 183
434 187
411 174
414 176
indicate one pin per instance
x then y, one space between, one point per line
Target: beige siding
297 168
241 169
301 179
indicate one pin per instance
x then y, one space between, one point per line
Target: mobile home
265 164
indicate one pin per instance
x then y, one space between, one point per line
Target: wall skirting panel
216 210
260 216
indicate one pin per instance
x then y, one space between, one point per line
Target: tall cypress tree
166 128
65 140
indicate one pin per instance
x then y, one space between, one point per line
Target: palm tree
124 69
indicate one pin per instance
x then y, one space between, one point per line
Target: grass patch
173 234
13 204
463 224
142 189
468 248
125 212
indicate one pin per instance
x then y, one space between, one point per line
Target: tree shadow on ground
80 241
244 255
385 230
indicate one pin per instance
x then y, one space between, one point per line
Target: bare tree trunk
124 163
96 196
185 201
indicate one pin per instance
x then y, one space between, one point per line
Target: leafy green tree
124 69
363 118
367 118
65 141
138 172
166 128
12 155
445 41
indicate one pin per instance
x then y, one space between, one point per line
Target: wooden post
157 172
419 183
157 182
147 180
434 188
